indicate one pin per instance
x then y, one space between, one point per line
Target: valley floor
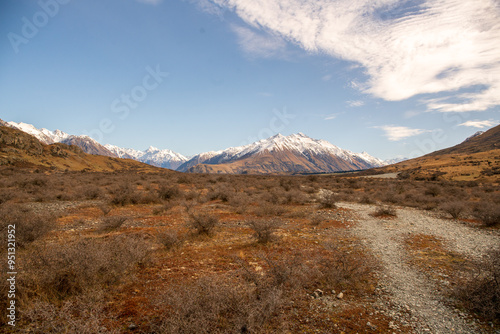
175 253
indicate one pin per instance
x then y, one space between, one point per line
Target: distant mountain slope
88 145
476 158
20 149
280 154
479 142
153 156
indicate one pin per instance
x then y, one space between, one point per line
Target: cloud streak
407 48
397 133
479 124
259 44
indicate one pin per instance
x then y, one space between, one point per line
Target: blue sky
395 78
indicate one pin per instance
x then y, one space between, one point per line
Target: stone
340 295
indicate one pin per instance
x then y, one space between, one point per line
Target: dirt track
413 297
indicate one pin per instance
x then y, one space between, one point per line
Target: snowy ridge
297 143
45 136
474 135
152 156
125 153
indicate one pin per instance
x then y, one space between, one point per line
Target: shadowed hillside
20 149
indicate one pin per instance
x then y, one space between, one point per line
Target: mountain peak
474 135
152 149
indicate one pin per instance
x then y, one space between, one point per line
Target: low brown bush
84 315
203 223
61 271
328 201
480 292
168 192
110 223
263 230
29 226
488 214
454 208
169 239
384 211
216 304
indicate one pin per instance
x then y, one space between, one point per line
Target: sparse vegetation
385 211
169 239
455 209
111 223
89 241
203 223
263 230
480 292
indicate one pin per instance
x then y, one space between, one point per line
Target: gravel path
414 298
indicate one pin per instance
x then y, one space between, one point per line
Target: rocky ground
409 295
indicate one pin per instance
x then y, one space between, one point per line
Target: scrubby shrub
85 315
328 200
488 213
168 192
125 195
163 208
384 211
169 239
455 209
29 226
216 305
111 223
366 199
91 192
60 271
263 230
433 190
481 291
269 209
203 223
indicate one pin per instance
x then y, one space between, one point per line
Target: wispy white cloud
396 133
265 94
151 2
479 124
411 113
357 103
259 43
330 117
407 48
327 77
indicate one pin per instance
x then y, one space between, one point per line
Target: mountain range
296 153
151 156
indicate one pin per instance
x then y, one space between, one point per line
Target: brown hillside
20 149
280 162
475 159
490 140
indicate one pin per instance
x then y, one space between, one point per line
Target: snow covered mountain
280 154
394 161
45 136
474 135
152 156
